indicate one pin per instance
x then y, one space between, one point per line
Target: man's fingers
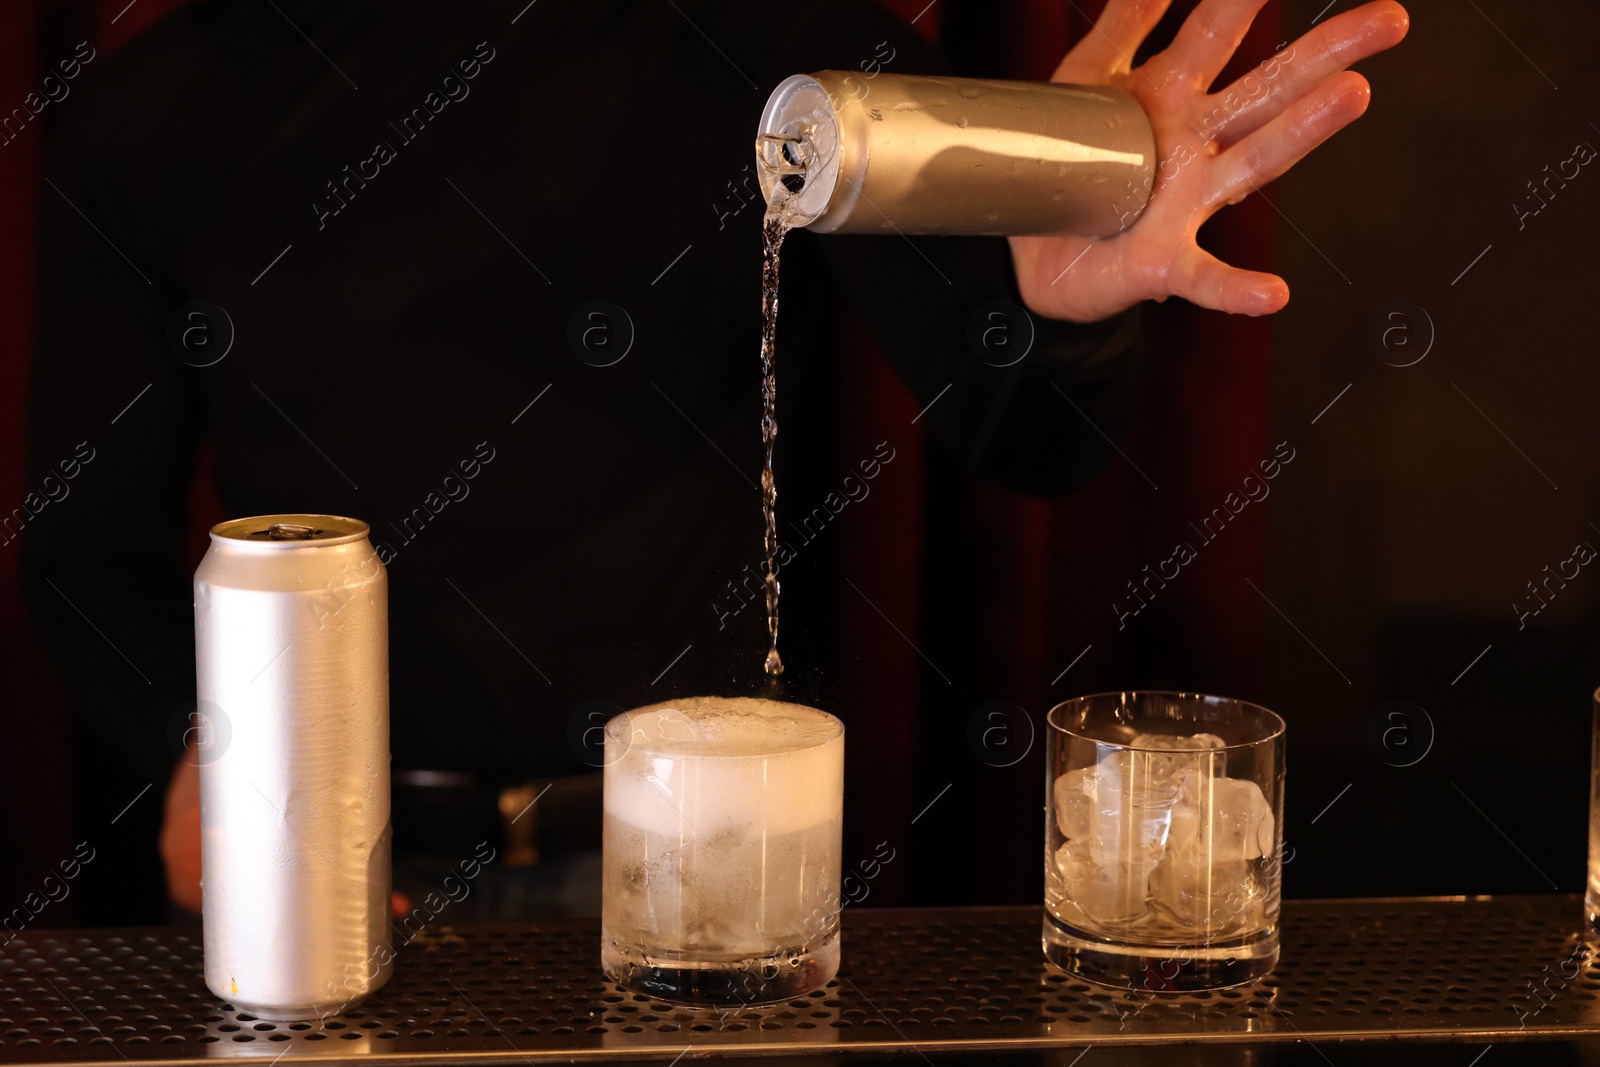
1201 278
1107 49
1283 142
1208 38
1253 100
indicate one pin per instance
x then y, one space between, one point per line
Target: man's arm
930 302
1046 424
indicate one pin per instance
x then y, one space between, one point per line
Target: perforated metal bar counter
914 982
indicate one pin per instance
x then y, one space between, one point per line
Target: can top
291 531
800 111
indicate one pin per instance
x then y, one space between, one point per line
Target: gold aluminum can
907 154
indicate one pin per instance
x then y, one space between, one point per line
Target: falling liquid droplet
774 663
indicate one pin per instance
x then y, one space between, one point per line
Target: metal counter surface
917 983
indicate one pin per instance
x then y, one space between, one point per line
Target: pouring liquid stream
779 219
773 228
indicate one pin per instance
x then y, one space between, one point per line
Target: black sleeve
113 424
1043 425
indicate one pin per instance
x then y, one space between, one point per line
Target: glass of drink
721 850
1163 840
1591 896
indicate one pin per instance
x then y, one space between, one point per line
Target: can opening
287 531
784 153
787 156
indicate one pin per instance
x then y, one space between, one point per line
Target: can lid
799 111
291 530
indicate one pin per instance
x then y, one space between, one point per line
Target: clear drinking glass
721 850
1591 896
1163 840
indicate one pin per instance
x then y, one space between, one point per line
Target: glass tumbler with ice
1163 839
721 850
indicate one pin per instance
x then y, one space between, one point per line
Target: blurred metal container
909 154
291 645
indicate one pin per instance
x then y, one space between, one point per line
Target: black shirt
406 211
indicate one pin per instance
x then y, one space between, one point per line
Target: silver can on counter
292 655
904 154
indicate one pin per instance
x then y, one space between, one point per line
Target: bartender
386 214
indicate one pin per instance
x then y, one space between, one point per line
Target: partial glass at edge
1591 896
721 850
1163 840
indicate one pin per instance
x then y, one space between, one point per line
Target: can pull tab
287 531
784 153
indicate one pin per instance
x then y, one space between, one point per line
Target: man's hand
1211 149
180 832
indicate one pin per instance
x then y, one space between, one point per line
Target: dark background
1384 562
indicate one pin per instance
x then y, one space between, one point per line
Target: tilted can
897 153
292 654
